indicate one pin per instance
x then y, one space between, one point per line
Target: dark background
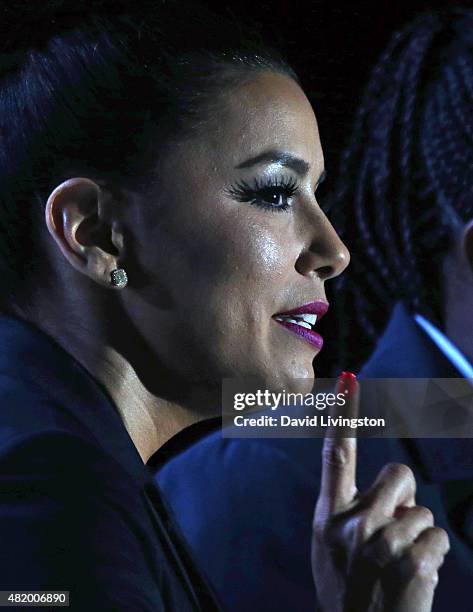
332 46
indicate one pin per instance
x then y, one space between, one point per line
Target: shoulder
68 520
233 458
252 484
43 389
54 478
247 479
30 415
56 453
405 351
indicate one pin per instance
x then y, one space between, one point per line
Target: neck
150 418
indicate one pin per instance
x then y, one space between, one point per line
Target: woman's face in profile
233 236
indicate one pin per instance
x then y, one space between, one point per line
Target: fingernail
348 382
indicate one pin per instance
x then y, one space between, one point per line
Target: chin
298 380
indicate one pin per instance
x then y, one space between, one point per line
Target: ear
467 243
79 216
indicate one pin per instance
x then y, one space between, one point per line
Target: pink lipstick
301 321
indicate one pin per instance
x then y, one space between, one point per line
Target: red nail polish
348 382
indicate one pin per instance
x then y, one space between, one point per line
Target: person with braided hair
404 206
408 174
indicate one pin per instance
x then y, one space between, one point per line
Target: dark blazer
246 506
79 510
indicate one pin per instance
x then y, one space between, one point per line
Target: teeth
308 318
299 321
305 320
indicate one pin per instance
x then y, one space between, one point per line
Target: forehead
270 112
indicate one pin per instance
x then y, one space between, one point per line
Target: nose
326 255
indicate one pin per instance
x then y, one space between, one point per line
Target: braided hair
406 178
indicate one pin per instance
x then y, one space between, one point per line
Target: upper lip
318 308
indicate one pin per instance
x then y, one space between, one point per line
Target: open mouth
302 320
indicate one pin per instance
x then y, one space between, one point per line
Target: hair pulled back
98 89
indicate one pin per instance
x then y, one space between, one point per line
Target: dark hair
406 179
99 88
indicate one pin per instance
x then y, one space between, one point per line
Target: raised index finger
338 483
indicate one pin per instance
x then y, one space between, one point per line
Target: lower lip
308 335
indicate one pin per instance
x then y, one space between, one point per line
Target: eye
273 197
271 194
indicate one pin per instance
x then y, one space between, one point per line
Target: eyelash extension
255 193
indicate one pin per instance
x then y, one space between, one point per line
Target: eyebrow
300 166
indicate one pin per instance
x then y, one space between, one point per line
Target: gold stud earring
118 278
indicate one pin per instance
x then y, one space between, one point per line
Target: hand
375 551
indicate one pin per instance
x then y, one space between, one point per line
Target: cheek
218 242
239 292
271 252
224 268
253 250
266 259
244 283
